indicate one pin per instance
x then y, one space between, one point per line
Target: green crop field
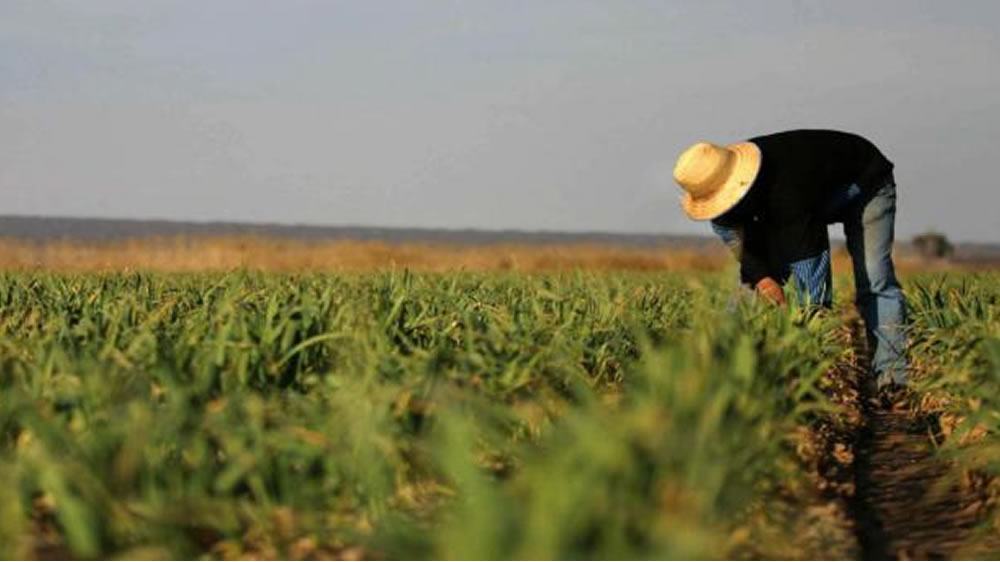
456 415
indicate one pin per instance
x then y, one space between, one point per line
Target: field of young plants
474 415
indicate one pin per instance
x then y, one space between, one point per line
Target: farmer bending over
770 200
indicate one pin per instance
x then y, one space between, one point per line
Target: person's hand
770 290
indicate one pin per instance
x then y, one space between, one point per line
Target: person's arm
753 271
732 237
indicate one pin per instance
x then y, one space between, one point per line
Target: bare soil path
909 502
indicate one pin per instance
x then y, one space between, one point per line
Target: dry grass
277 254
272 254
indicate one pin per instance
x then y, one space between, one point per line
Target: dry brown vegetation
277 254
272 254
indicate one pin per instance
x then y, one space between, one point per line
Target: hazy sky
533 114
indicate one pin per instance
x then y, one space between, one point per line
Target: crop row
956 351
391 414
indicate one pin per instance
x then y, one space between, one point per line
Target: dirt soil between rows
908 501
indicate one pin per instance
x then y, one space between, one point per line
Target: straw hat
715 178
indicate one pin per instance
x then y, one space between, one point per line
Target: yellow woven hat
715 178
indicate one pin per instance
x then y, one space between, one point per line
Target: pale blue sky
529 114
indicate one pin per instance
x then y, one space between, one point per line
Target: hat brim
732 190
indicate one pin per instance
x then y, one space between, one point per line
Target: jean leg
870 231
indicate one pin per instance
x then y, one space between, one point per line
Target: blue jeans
869 225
